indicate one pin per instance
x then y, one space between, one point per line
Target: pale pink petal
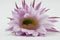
41 35
24 30
41 30
14 22
35 33
21 12
38 6
42 11
10 29
25 6
10 18
30 31
16 5
27 31
23 3
48 26
32 12
43 18
53 21
15 15
26 15
33 3
53 17
19 33
52 30
47 10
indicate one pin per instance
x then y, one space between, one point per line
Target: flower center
29 23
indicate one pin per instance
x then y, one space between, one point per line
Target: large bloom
31 21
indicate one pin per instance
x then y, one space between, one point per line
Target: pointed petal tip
16 5
53 21
53 30
33 3
38 6
10 18
23 3
10 29
47 10
53 17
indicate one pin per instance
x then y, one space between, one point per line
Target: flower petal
53 21
16 6
15 15
16 28
21 12
53 17
47 10
25 6
47 25
18 33
35 33
41 30
10 29
33 3
43 18
27 31
52 30
10 18
38 6
42 11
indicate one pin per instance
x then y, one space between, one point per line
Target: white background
6 6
